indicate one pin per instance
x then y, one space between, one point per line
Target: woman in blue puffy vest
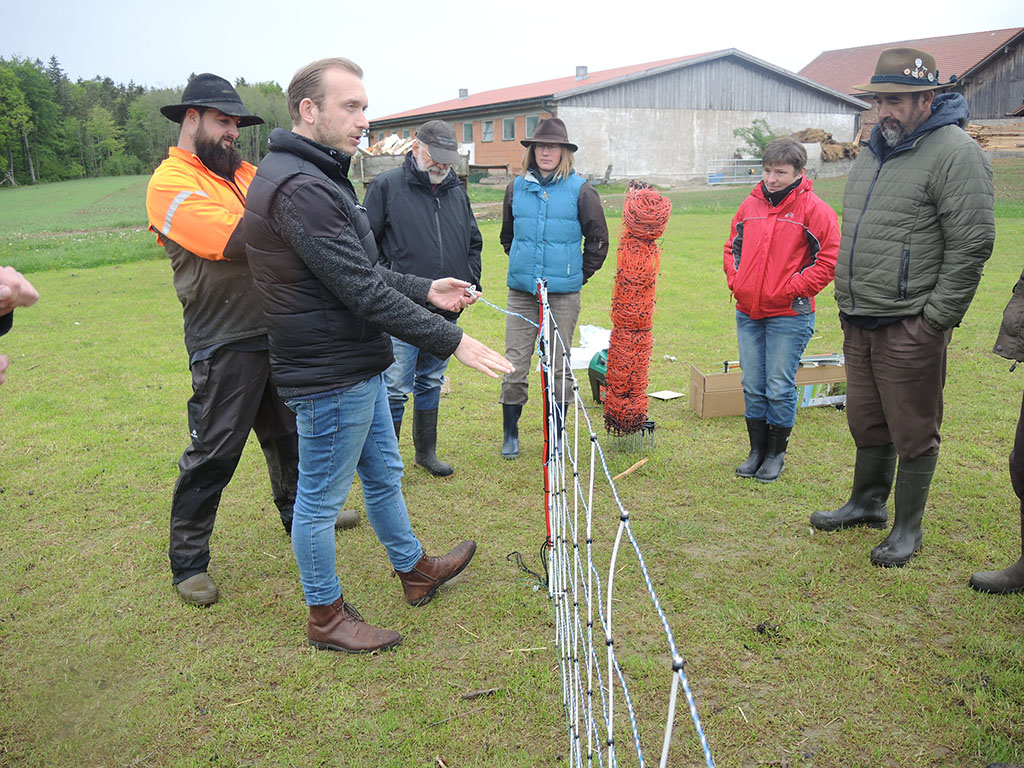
553 227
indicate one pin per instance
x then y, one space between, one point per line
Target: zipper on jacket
856 229
904 277
437 224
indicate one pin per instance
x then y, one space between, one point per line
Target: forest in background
52 129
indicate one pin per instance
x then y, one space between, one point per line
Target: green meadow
798 651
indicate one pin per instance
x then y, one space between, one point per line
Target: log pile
831 150
1008 137
392 145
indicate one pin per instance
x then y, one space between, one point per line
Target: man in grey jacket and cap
918 226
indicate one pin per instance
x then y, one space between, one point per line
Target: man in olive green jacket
918 226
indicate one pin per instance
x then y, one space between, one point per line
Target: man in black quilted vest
329 310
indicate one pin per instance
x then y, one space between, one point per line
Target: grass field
800 653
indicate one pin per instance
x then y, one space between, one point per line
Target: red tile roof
955 55
539 90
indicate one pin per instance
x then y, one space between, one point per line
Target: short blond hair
308 83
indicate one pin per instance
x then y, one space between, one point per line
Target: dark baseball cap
439 137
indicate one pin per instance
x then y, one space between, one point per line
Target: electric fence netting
601 711
590 536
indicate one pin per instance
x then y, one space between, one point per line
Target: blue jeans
770 351
341 433
414 370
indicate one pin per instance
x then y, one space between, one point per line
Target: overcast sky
418 53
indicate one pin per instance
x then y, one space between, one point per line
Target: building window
487 130
531 125
405 133
508 129
467 133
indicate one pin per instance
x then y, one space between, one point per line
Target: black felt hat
208 90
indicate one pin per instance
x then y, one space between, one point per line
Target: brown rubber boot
339 627
429 573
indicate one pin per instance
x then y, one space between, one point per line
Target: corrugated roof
954 54
543 89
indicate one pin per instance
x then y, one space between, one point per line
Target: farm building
989 67
664 121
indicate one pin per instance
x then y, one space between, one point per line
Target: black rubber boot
775 459
510 422
424 437
398 428
913 479
873 474
757 431
1008 580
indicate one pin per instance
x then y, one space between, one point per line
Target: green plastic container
597 371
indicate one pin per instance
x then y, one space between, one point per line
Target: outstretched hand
15 291
475 354
451 294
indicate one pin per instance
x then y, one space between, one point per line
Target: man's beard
435 174
893 132
222 160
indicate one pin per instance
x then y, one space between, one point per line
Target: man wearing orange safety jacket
195 202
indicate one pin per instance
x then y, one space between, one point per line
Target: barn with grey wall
666 127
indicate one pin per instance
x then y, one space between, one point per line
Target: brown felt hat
550 131
904 70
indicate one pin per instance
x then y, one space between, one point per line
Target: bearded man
918 226
195 202
424 225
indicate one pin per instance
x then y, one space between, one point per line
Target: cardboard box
721 394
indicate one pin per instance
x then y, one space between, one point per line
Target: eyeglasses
546 147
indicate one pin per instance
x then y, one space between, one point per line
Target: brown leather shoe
429 573
339 627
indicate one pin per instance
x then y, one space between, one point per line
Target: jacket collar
333 162
797 188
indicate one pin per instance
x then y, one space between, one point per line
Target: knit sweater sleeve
334 255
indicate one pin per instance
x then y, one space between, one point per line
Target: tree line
52 129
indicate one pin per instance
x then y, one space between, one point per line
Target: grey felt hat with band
904 70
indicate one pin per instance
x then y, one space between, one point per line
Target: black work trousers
232 394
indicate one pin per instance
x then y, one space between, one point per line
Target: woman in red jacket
780 253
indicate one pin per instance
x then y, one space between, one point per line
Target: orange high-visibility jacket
197 217
194 207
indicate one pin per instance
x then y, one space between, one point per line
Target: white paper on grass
665 394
